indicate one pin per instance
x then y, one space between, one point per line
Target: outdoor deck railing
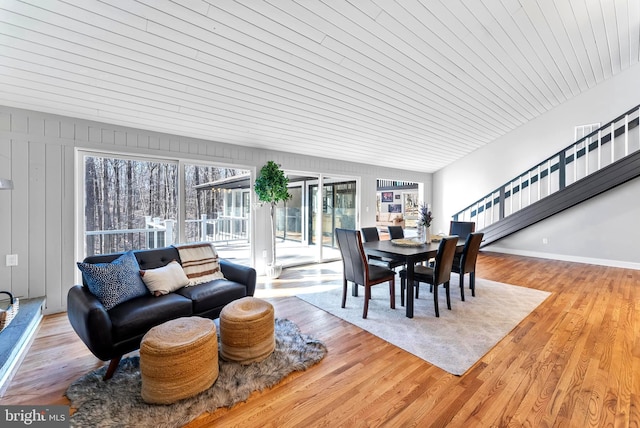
161 233
602 147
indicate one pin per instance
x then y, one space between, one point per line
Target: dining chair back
359 271
462 228
439 274
466 262
396 232
444 260
370 234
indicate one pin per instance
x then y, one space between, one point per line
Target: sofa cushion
165 279
135 317
213 294
115 282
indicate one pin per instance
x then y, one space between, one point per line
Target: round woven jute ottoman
247 330
178 359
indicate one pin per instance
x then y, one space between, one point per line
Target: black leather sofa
109 334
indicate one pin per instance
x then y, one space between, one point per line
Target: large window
128 204
134 204
217 204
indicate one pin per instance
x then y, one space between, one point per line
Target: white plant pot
273 271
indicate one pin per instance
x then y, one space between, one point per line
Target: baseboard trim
564 257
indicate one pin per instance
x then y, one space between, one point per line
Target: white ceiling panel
333 78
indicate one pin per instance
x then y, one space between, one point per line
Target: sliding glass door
338 209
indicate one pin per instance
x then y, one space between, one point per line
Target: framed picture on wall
387 196
395 208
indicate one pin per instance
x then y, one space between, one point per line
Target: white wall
37 218
462 183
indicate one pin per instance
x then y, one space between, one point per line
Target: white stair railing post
599 150
626 134
575 163
613 136
519 193
548 177
586 157
539 183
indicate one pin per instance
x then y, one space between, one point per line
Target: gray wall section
38 217
593 229
601 230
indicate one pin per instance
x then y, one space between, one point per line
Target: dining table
410 254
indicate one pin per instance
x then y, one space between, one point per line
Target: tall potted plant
271 186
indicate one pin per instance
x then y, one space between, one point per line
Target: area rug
455 340
117 402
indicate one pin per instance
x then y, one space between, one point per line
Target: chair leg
354 290
367 297
402 286
472 283
392 292
446 288
435 300
344 292
416 285
113 365
462 287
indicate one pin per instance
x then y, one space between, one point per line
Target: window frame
80 162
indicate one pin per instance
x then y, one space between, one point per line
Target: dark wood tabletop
410 255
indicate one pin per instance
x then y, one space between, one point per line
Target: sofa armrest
90 321
241 274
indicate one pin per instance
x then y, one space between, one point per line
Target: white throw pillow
166 279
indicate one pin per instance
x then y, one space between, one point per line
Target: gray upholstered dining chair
465 262
440 274
395 232
462 228
357 270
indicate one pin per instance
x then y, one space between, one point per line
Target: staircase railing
575 162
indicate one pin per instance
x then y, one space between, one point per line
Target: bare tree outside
208 199
133 204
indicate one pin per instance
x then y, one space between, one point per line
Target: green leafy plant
271 186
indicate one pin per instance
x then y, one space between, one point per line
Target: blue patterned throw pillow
116 282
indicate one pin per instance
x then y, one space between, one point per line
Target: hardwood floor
574 362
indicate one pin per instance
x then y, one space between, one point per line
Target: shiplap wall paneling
36 230
53 225
67 223
19 216
5 211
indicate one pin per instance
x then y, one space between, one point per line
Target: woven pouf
247 330
178 359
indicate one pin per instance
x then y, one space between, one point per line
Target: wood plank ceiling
412 84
